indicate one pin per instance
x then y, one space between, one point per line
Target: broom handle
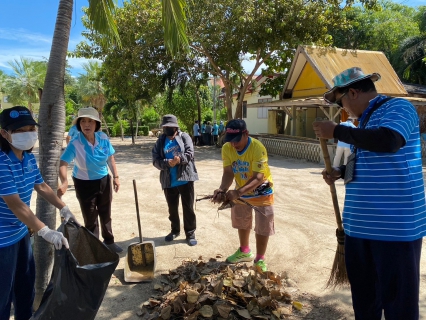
332 186
137 210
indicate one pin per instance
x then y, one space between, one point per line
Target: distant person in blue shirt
221 127
92 153
343 149
215 132
384 215
19 177
173 155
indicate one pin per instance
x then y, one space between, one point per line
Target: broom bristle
338 277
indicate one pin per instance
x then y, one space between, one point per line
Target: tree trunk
52 119
105 124
131 130
122 131
198 107
242 90
228 101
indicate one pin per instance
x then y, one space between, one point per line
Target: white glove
67 214
54 237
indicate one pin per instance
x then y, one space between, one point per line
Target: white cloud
24 36
18 43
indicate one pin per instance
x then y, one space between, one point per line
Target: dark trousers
95 198
17 277
215 138
186 192
197 141
384 275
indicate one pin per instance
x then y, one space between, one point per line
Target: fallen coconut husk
217 290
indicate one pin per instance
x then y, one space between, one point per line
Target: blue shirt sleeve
7 182
69 153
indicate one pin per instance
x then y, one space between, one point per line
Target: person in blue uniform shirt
93 154
19 176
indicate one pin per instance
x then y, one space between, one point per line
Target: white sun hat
89 112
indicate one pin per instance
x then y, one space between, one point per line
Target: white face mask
24 140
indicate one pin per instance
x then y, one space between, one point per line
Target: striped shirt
90 160
386 199
16 177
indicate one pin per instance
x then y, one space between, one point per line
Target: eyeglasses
339 102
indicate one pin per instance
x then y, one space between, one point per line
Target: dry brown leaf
244 313
193 316
227 282
285 310
192 296
239 283
165 312
223 309
217 289
206 311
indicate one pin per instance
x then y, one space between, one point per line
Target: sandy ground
304 244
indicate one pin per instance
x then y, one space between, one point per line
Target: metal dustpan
140 260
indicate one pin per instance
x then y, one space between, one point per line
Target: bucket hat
346 78
16 117
169 120
89 112
234 130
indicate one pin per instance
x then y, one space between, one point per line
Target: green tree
22 87
410 60
91 89
266 32
378 30
184 104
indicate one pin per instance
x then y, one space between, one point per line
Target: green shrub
116 128
69 119
143 131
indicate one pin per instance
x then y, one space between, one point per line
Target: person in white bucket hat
93 154
384 215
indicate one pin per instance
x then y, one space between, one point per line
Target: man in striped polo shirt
384 215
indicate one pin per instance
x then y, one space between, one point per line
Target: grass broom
338 276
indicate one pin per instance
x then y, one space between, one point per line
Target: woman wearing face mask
19 176
93 154
173 155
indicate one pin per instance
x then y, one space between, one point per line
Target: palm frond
100 14
174 22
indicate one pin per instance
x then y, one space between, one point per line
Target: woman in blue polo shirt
19 176
93 154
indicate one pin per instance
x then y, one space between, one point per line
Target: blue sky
26 29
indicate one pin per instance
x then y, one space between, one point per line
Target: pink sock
259 257
245 249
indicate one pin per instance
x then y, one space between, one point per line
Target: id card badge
350 167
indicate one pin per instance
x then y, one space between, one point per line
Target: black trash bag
80 277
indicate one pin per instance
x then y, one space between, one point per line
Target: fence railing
308 151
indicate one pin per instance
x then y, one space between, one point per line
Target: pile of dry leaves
217 290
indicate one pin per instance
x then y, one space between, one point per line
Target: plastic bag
80 277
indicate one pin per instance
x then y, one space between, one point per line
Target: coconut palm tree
91 88
23 85
52 105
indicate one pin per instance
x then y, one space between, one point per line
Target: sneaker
260 264
114 248
191 242
171 236
239 256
